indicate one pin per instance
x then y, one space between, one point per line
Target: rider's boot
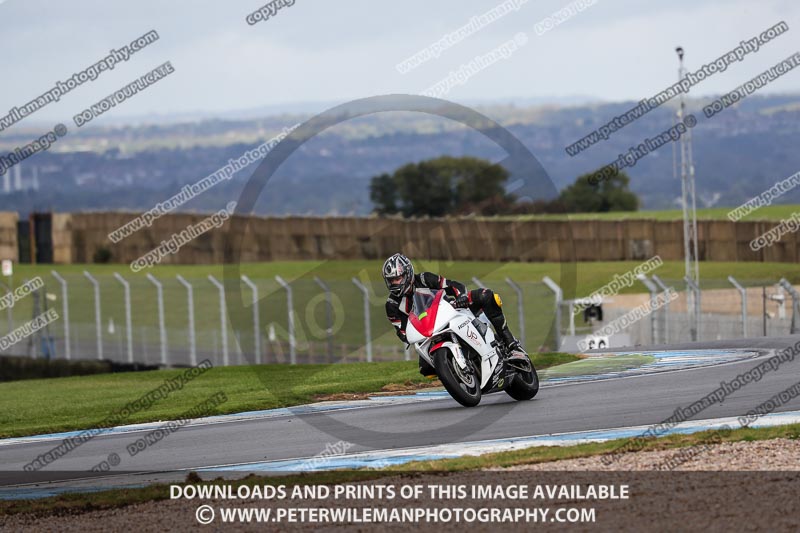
426 369
517 357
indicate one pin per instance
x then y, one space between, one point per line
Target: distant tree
441 186
383 193
609 195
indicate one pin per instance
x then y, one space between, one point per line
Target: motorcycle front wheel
463 385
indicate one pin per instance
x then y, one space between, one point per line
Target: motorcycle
462 348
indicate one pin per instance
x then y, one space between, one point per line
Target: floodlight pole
689 201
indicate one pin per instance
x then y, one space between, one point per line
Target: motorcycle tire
524 386
465 391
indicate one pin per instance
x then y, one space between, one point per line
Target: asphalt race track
559 408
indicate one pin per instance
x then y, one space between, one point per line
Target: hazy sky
337 50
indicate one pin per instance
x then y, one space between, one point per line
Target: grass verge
597 365
769 213
40 406
80 503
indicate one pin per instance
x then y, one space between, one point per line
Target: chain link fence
728 309
178 321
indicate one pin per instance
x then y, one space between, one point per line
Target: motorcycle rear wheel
463 385
524 386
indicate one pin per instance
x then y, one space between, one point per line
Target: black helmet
398 273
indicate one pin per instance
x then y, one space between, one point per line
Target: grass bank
42 406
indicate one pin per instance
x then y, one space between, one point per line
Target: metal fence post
328 316
223 320
795 327
695 327
290 307
520 308
256 320
127 288
559 294
666 293
64 311
97 320
367 330
651 287
9 313
162 330
743 294
780 298
572 317
190 303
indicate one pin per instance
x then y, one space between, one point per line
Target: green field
309 306
771 213
61 404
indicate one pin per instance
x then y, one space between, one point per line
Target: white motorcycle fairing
440 318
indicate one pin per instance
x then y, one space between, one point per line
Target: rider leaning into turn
398 273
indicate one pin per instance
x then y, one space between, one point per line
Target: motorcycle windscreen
424 310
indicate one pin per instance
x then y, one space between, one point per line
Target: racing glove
461 301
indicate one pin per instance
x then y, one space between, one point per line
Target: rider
398 273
